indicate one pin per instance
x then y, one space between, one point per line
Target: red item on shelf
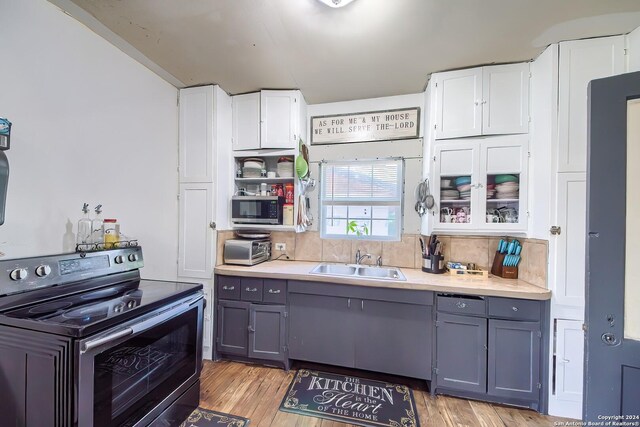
288 193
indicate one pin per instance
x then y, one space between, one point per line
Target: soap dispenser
84 226
96 227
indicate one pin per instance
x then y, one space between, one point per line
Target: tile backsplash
406 253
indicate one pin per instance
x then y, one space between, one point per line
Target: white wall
89 124
410 149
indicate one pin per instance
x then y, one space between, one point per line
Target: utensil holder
497 267
509 272
437 264
426 264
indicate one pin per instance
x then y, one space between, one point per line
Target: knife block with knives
506 259
432 258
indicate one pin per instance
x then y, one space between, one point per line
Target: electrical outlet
281 246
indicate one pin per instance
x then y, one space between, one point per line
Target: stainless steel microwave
257 209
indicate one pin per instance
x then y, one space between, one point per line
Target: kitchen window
361 199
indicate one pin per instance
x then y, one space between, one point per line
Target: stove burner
51 307
87 313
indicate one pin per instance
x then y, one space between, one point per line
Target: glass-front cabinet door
456 175
503 162
481 184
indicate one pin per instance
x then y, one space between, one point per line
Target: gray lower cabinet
320 329
461 352
394 338
514 359
491 348
233 327
381 330
267 335
251 330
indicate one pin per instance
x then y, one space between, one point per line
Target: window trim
362 202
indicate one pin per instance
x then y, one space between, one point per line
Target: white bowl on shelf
285 169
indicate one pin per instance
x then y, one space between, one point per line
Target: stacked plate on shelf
507 187
252 167
449 195
448 190
463 184
491 191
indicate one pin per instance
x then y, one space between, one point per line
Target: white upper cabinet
279 119
196 134
482 101
458 110
580 62
246 121
505 104
481 184
268 119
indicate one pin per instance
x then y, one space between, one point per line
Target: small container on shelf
111 231
84 226
287 214
96 227
288 193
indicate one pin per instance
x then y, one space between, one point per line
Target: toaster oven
247 251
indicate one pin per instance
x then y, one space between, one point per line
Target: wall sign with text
362 127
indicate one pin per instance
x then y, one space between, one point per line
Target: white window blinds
361 199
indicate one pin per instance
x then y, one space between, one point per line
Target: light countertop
416 280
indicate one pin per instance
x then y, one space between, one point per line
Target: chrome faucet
359 258
379 261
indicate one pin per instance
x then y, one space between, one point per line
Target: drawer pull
461 304
228 288
251 289
271 291
514 308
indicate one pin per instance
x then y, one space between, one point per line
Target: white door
580 62
505 104
501 158
569 363
246 121
279 117
196 133
569 245
456 167
458 103
196 240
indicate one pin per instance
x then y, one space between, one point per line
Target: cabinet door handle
228 288
461 304
477 103
251 328
251 289
349 303
485 347
271 291
362 305
514 308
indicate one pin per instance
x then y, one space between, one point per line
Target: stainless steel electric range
85 342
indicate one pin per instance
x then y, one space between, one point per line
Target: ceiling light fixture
336 3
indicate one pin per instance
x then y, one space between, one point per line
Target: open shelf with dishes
480 184
267 189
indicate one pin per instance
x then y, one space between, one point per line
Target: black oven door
128 375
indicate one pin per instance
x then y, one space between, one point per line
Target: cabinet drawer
274 291
462 305
518 309
228 287
251 290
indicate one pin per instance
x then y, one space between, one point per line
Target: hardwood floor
255 392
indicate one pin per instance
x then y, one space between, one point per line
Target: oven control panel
25 274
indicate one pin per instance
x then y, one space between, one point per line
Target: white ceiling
367 49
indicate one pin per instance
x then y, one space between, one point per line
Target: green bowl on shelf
501 179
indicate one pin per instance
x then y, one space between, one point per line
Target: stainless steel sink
390 273
359 271
335 270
